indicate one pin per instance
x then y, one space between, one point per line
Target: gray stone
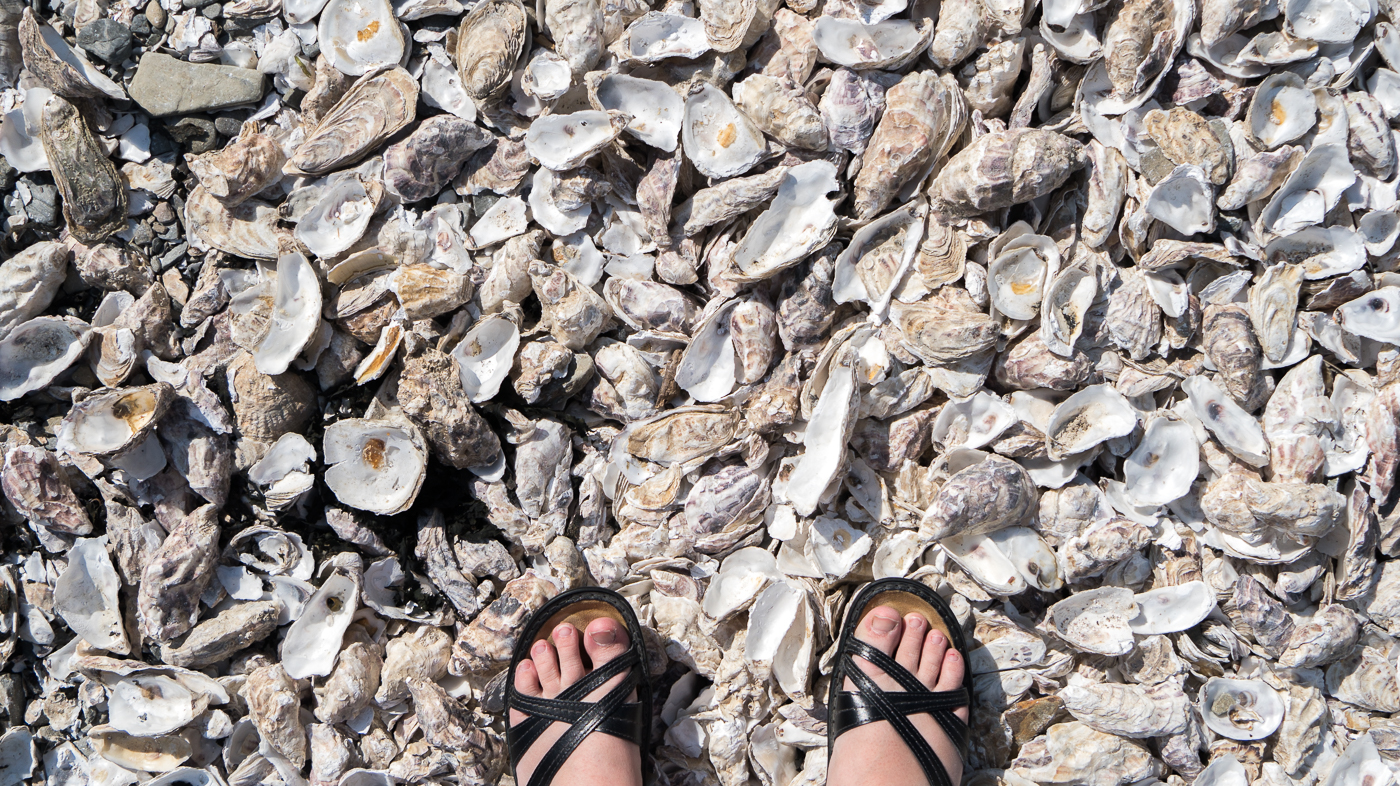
194 4
228 125
165 86
7 175
194 134
213 10
43 204
106 39
140 26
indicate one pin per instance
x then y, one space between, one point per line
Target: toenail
563 631
540 648
935 636
914 621
604 638
881 623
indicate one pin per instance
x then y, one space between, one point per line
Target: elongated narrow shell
923 117
380 103
296 314
488 44
800 220
1005 168
94 193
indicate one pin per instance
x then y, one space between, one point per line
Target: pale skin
871 755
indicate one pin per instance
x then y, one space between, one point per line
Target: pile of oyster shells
1084 313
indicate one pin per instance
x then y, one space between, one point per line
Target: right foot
874 754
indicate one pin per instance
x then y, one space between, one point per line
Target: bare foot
874 754
601 759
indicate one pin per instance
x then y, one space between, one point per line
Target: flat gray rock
167 86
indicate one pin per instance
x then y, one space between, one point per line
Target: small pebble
155 15
212 11
228 126
163 213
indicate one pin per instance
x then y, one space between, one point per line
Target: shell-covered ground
336 336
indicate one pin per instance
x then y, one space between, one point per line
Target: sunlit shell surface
1085 314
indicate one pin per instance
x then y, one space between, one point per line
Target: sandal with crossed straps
869 703
613 714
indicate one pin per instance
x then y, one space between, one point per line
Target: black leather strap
567 707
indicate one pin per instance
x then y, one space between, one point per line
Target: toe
604 639
571 668
911 643
951 675
546 668
527 681
931 661
880 629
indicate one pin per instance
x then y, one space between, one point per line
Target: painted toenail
604 638
881 623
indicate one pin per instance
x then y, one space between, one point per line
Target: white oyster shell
1241 709
376 466
800 220
1163 465
1094 415
561 142
359 35
1375 315
34 354
655 108
85 596
1173 608
484 356
296 314
719 140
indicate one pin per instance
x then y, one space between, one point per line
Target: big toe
881 629
604 639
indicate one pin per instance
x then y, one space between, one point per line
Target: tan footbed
907 603
580 615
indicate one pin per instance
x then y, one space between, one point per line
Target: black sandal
611 715
869 703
